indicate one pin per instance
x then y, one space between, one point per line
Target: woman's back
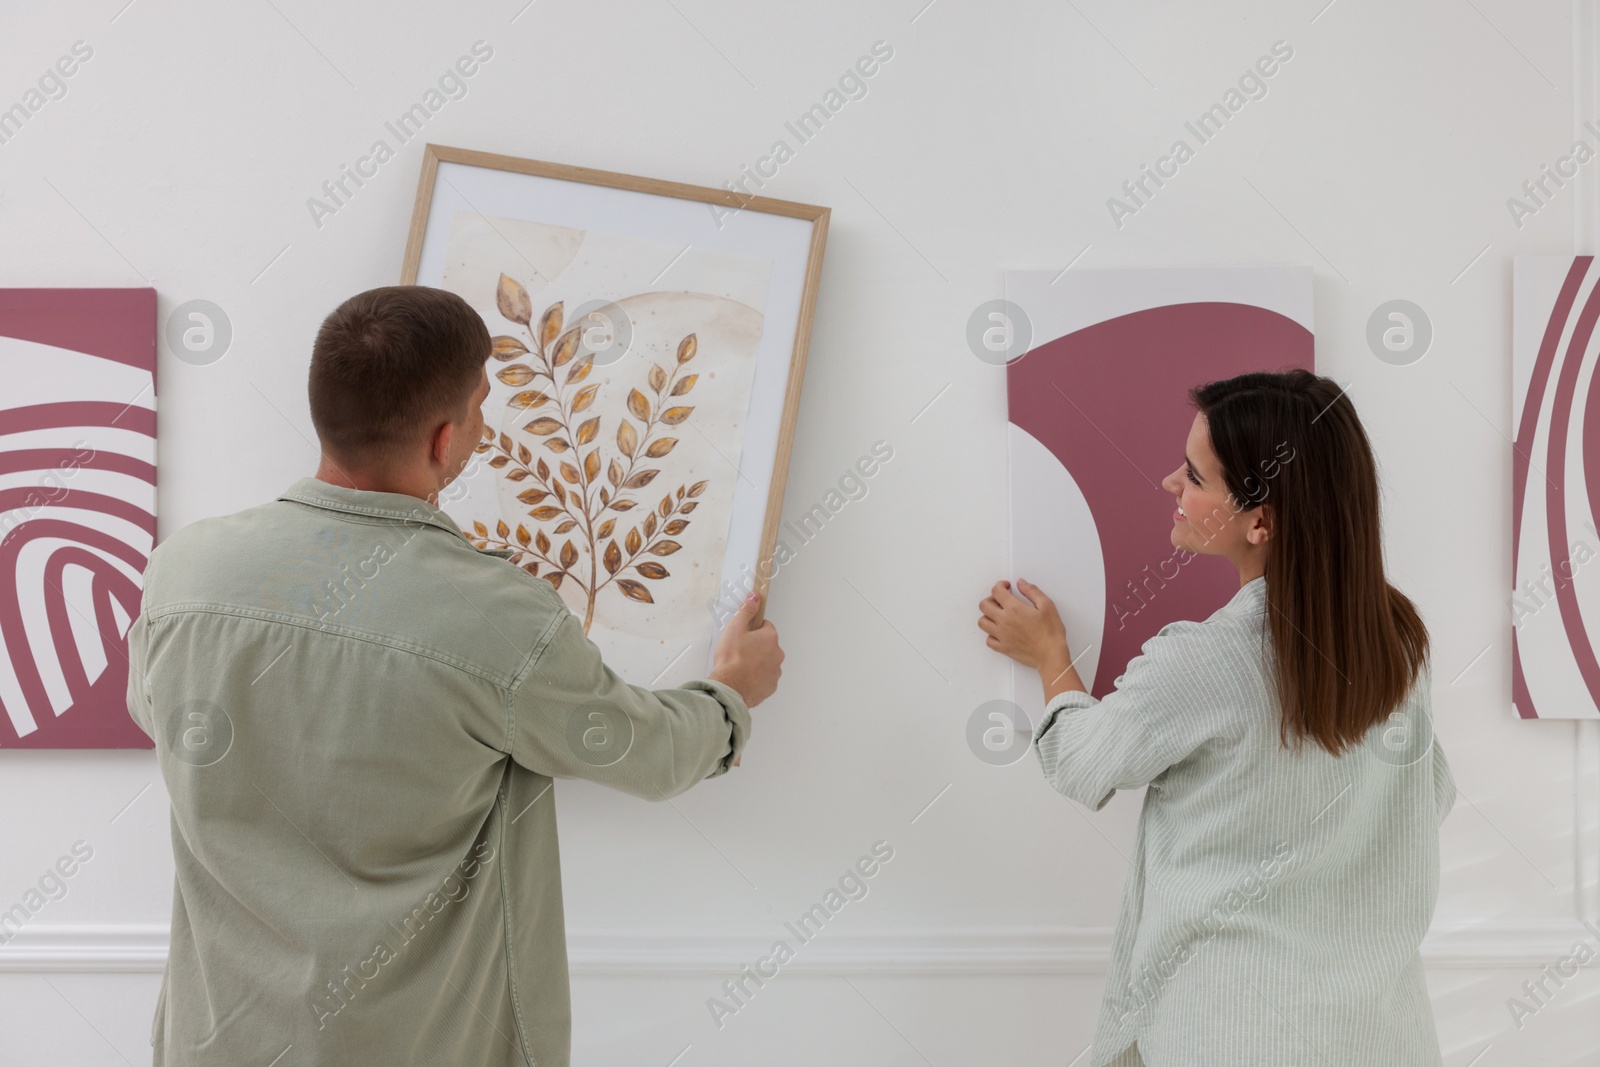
1278 897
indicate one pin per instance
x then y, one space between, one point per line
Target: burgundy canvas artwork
77 510
1099 415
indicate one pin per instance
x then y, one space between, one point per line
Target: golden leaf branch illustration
584 507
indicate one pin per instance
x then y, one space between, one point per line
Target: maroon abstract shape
1110 402
46 459
22 659
114 324
78 413
1527 431
108 582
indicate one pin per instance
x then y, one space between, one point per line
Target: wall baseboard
994 950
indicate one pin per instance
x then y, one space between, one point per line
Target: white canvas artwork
1555 482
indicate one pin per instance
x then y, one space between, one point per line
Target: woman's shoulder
1224 627
1243 613
1218 662
1208 660
1177 638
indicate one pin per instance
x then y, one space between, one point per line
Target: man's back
358 715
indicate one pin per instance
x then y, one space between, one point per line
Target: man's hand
747 660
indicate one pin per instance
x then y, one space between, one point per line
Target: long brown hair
1348 645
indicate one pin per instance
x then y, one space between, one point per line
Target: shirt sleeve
1089 748
138 689
1444 783
1444 780
572 716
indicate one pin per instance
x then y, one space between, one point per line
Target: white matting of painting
689 227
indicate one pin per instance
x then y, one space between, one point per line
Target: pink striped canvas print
77 510
1555 487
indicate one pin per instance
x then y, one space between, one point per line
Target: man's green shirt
358 717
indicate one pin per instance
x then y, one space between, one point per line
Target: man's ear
439 443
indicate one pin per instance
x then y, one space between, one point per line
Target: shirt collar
1251 599
398 507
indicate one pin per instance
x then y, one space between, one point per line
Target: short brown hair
386 362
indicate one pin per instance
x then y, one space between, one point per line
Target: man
358 715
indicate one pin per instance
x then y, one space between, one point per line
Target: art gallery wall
184 151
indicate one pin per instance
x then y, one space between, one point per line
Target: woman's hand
1032 634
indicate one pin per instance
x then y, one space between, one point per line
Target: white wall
183 155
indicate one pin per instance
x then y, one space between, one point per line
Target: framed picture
77 510
1097 390
649 348
1555 592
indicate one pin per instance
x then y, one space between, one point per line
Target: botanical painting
620 382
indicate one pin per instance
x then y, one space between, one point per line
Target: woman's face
1207 519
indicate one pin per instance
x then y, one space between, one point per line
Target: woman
1287 856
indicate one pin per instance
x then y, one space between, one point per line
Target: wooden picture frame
555 222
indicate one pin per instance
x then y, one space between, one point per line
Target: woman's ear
1262 525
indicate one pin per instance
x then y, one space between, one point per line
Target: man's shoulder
224 535
285 556
491 581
